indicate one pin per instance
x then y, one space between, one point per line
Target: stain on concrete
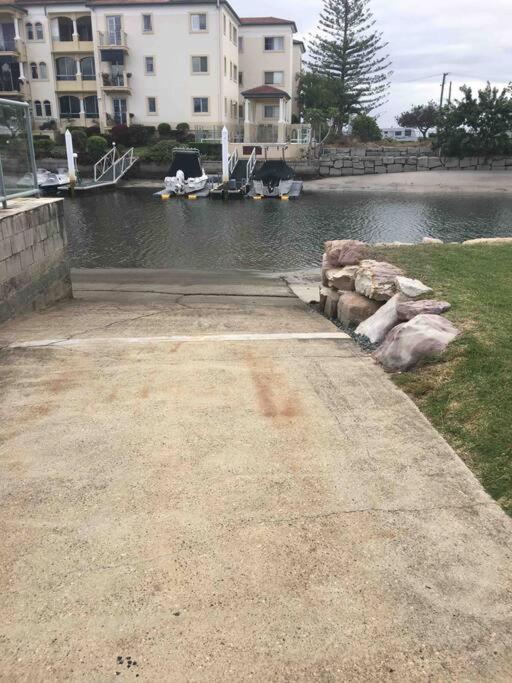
272 389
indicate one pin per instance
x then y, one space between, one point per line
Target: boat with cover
273 179
185 175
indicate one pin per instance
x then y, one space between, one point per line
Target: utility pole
450 93
442 90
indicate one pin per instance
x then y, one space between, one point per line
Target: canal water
133 229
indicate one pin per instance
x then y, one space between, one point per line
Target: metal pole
450 93
30 145
71 160
2 187
442 90
225 154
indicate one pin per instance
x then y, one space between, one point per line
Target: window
39 30
241 44
38 108
240 111
69 107
149 66
230 31
274 44
199 65
43 71
235 37
225 67
270 111
235 73
84 28
151 104
62 29
224 23
231 70
66 69
147 23
88 69
398 133
30 31
274 77
198 22
408 133
33 71
200 105
226 106
240 78
91 107
47 108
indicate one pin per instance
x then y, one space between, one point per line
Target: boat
47 181
185 175
273 179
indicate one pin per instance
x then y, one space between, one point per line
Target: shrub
92 130
120 134
182 131
79 137
43 146
161 152
97 146
209 150
58 152
164 130
139 135
48 125
366 128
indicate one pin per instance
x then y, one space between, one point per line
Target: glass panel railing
18 174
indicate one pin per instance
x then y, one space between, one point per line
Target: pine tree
348 52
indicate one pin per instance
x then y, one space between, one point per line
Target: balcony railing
112 38
7 45
116 80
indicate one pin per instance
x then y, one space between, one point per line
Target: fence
18 173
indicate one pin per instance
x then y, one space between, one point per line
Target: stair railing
104 164
118 166
232 161
251 163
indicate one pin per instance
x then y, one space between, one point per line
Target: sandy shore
482 182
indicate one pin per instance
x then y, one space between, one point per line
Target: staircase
109 169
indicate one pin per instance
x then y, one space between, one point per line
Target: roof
267 21
302 46
264 92
19 4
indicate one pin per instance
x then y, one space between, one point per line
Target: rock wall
34 271
341 164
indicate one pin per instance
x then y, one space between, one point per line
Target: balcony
75 45
116 82
70 84
14 47
113 40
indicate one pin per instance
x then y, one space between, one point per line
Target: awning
114 56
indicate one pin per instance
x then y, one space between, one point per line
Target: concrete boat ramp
203 480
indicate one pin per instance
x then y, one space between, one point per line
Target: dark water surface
133 229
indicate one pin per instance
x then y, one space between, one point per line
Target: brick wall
34 271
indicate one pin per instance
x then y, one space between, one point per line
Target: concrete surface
437 182
268 510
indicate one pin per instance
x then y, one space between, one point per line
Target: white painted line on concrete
243 337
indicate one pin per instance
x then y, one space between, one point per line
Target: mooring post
225 155
71 160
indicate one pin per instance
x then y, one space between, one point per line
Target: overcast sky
471 39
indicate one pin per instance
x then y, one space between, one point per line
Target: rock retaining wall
341 164
34 271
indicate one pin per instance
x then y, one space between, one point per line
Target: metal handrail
118 166
232 161
251 163
104 164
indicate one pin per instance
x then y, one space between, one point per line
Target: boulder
378 325
432 240
488 240
354 308
406 310
342 278
325 268
345 252
330 306
409 343
411 288
377 279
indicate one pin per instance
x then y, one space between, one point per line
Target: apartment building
104 62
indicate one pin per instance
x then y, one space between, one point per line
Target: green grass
467 392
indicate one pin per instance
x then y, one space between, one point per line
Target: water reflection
133 229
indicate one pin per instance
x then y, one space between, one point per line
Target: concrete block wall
34 270
342 164
366 152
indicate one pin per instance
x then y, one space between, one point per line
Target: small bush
161 152
58 152
48 125
120 134
79 137
209 150
92 130
164 130
182 132
140 135
43 147
97 146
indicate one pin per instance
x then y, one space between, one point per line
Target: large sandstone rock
330 301
406 310
325 268
488 240
409 343
378 325
432 240
345 252
354 308
411 288
377 279
342 278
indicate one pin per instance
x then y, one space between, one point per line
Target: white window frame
201 113
148 111
191 20
265 38
146 72
36 37
275 114
199 73
274 82
240 43
147 30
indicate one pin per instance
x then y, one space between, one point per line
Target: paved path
260 508
435 182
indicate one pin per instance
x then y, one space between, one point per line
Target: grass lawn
467 394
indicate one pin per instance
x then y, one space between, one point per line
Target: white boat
273 179
185 175
47 181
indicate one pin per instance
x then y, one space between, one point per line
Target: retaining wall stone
34 270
